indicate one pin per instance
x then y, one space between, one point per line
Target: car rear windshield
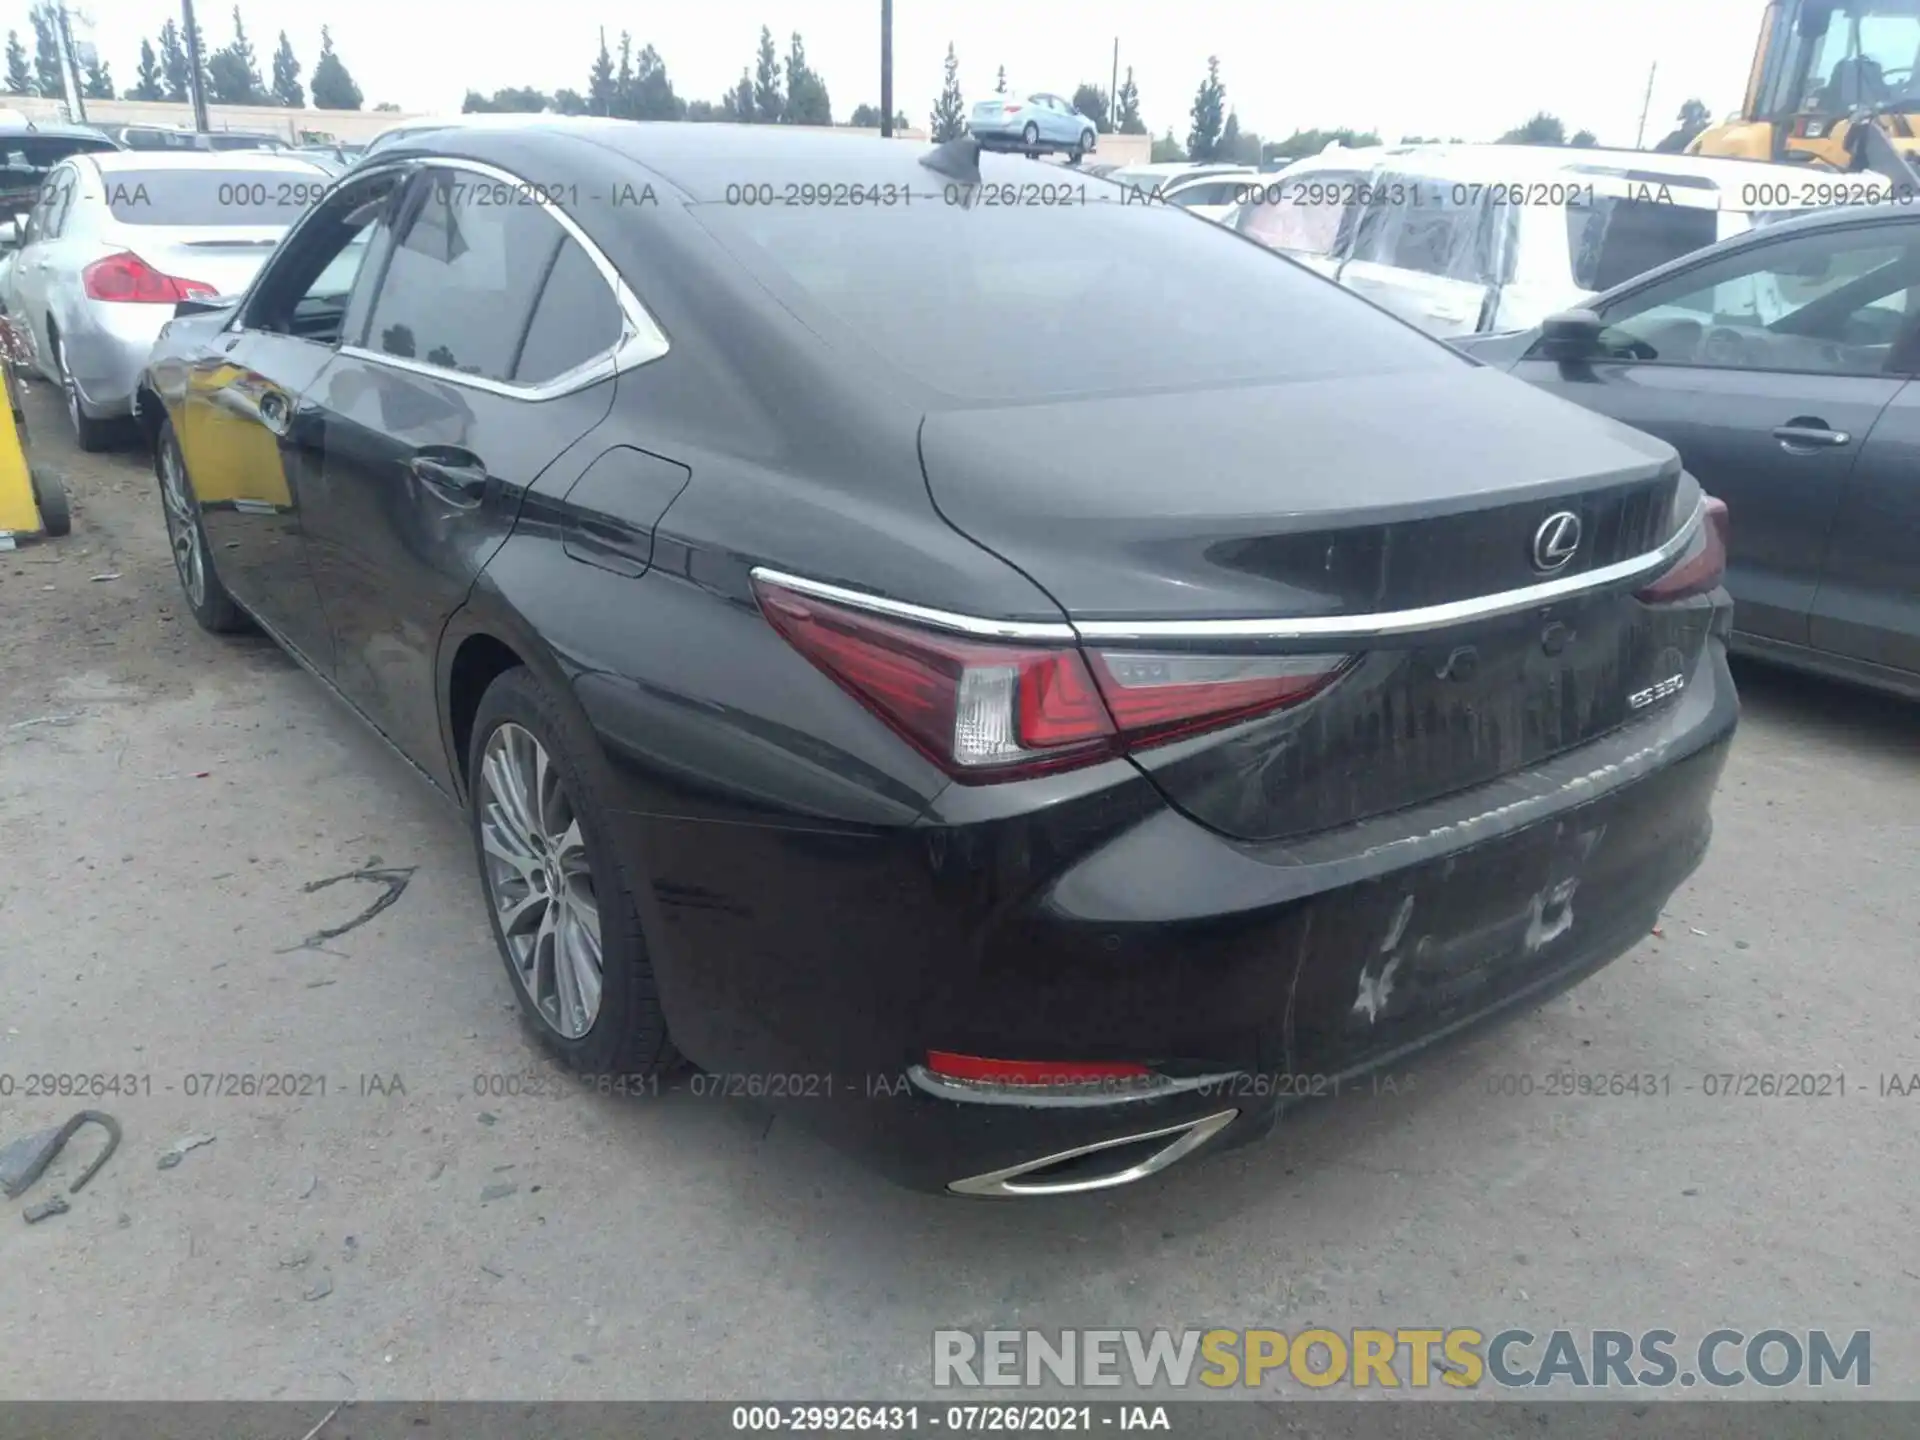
1614 238
212 197
160 140
28 158
998 302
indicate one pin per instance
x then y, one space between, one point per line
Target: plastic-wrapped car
1465 239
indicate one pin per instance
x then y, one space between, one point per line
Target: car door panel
1053 124
395 550
248 429
30 269
1868 604
252 449
1768 367
1782 497
429 451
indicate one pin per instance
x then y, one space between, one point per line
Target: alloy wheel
535 862
183 526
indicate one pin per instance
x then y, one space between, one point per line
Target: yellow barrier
19 511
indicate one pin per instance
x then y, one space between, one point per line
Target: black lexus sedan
1030 737
1781 364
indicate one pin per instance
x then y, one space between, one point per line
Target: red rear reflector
1161 697
1031 1072
127 278
986 710
1702 567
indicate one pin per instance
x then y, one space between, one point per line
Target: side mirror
1571 335
9 235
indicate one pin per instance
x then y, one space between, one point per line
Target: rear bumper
107 348
815 971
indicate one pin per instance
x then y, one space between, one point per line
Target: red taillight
1155 698
1702 567
126 277
986 711
1011 109
1031 1072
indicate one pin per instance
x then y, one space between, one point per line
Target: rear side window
1305 215
460 285
577 319
1008 302
1433 227
203 198
1613 238
59 202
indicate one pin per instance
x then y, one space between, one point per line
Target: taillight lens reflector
986 710
127 278
1702 567
1030 1072
1161 697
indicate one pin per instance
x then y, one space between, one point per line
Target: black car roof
703 160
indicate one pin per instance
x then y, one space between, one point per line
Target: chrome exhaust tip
1075 1171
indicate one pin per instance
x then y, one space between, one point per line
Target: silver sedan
116 239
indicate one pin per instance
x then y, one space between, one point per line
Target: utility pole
1645 106
194 88
70 68
886 68
1113 89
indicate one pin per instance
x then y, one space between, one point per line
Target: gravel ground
167 799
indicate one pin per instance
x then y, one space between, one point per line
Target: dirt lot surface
168 799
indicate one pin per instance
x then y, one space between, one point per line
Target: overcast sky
1469 67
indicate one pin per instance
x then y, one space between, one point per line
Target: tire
208 599
626 1031
1087 141
1030 136
90 434
50 497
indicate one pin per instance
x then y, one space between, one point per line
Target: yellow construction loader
33 503
1818 61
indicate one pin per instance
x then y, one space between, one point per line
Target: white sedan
118 238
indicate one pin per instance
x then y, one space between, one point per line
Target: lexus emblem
1556 542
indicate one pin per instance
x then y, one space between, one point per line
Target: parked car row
848 672
1473 239
171 137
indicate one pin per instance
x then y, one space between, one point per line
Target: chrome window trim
244 301
1383 625
641 341
919 614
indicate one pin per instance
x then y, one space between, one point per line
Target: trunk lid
1336 501
226 260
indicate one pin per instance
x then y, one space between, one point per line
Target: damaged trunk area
1413 720
1367 634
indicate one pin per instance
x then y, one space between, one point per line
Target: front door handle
456 477
1807 434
